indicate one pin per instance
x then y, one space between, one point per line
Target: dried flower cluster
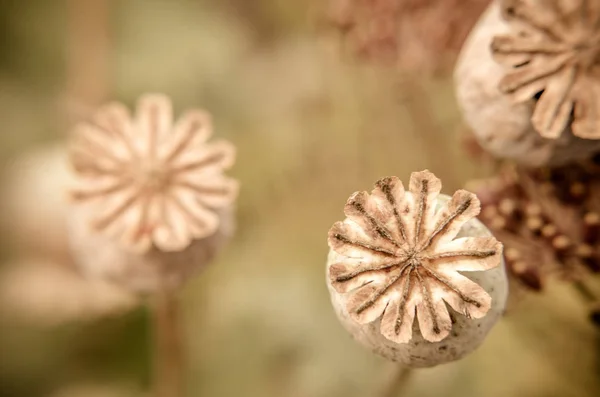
416 35
149 182
398 258
553 50
547 219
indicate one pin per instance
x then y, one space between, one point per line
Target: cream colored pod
528 80
38 226
413 275
151 204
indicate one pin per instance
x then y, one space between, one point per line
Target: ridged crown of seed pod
553 50
147 185
396 257
152 182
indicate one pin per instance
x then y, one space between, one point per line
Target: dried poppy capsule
151 202
413 275
526 80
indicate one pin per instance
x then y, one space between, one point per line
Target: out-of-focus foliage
311 127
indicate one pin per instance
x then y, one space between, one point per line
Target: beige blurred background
312 125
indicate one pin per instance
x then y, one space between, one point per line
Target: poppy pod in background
413 275
527 80
151 204
33 203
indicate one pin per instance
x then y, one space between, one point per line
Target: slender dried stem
168 346
88 50
396 382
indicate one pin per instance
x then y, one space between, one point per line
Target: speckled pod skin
501 126
100 257
466 335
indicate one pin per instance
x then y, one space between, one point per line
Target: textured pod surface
99 257
503 126
412 275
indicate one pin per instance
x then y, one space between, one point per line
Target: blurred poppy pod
151 203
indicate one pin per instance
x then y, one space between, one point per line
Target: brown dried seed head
399 258
147 181
565 244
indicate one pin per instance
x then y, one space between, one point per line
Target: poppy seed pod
413 275
526 81
151 203
38 226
